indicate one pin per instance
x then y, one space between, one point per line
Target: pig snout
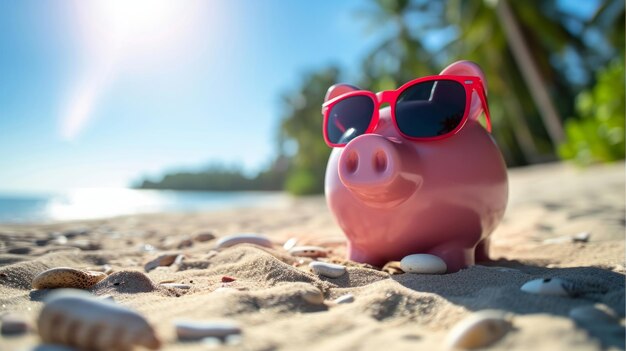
371 167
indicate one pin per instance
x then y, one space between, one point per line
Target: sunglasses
424 109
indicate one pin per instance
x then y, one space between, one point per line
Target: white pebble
176 286
308 251
193 330
326 269
479 330
423 264
236 239
581 237
289 244
347 298
313 295
547 286
598 313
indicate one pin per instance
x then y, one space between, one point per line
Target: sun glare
116 32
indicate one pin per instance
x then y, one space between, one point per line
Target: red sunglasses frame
470 83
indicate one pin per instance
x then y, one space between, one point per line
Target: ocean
97 203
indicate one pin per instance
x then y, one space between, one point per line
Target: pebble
592 314
423 264
236 239
330 270
228 279
204 236
20 250
13 325
194 330
162 260
581 237
313 295
289 244
66 277
547 286
70 317
308 251
176 286
479 330
347 298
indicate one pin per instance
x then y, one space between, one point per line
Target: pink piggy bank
418 176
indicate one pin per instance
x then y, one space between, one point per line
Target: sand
548 205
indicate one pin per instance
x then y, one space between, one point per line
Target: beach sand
548 204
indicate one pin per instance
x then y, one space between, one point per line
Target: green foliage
597 134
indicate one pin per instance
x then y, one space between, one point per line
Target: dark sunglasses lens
349 118
430 109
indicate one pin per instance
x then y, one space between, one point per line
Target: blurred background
201 100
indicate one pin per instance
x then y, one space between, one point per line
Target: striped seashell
66 277
77 319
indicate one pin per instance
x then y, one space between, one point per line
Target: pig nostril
380 161
352 162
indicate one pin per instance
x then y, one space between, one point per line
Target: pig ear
339 89
469 68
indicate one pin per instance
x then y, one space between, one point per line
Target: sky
102 93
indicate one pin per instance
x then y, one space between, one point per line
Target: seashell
423 264
237 239
162 260
479 330
13 325
308 251
393 268
193 330
289 244
547 286
313 295
66 277
176 286
75 318
592 314
125 282
204 236
326 269
347 298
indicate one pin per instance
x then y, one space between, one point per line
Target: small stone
593 314
13 325
227 279
85 245
204 236
313 295
194 330
393 268
184 243
231 240
479 330
176 286
60 240
162 260
581 237
423 264
330 270
308 251
547 286
66 277
24 250
289 244
347 298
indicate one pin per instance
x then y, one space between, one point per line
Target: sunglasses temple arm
483 100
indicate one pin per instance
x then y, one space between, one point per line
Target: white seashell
347 298
76 318
308 251
66 277
479 330
326 269
598 313
289 244
162 260
313 295
423 264
13 325
547 286
236 239
176 286
192 330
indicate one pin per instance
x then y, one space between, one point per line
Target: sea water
105 202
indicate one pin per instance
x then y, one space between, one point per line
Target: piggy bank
420 175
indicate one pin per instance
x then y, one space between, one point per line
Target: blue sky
82 105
